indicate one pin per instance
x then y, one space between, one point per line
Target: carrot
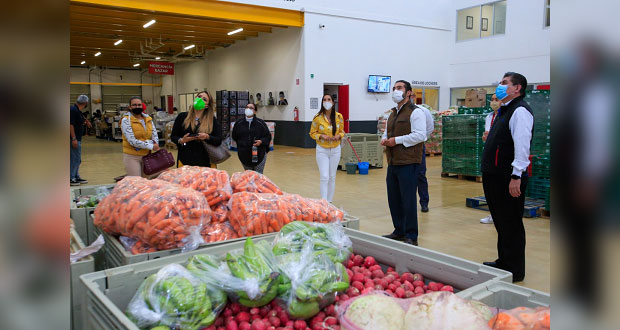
253 182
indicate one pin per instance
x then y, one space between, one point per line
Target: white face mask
249 112
397 96
327 105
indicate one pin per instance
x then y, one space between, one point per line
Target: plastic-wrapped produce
174 298
212 183
160 214
250 275
254 213
522 318
329 239
216 232
252 181
309 281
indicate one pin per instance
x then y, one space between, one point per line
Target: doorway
428 96
340 95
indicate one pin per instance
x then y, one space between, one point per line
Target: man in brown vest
404 141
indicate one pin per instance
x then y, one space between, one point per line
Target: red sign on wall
161 68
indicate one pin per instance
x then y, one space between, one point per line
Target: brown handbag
217 154
157 161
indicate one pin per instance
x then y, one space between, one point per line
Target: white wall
150 93
348 50
525 48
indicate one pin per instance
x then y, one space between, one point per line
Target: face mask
327 105
249 112
397 96
136 111
501 91
495 105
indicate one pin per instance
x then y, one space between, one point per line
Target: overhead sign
161 68
424 83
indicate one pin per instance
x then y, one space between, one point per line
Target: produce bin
506 295
109 292
83 266
116 255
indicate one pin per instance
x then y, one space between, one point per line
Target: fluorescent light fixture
236 31
158 58
149 23
118 42
189 47
97 53
83 62
137 64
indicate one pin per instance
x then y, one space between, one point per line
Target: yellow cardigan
321 126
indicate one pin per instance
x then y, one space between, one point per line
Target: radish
379 287
390 269
219 321
376 280
331 320
448 288
283 316
350 263
418 277
400 292
344 297
392 287
299 324
358 260
390 278
384 283
245 326
321 315
350 273
358 285
408 286
274 321
418 290
367 273
368 290
369 261
358 277
418 284
390 292
330 310
227 312
254 311
255 317
407 277
356 269
374 267
377 273
264 310
397 283
434 286
369 284
232 326
353 292
229 319
409 294
243 317
258 325
425 287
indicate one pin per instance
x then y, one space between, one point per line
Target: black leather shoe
424 209
517 278
493 264
410 241
394 237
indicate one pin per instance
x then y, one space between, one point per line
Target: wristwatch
515 177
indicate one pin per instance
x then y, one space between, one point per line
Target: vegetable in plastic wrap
252 181
522 318
329 239
173 297
445 310
376 311
250 275
309 281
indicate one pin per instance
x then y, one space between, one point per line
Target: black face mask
136 111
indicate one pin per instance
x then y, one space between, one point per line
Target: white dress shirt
418 129
521 124
487 122
430 123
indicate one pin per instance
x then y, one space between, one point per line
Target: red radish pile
366 275
272 317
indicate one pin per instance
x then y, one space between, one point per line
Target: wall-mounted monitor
379 84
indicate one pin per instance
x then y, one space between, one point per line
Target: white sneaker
487 219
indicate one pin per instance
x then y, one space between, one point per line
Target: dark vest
399 124
499 149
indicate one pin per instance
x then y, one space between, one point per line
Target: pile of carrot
216 232
255 214
212 183
141 247
522 318
158 213
252 181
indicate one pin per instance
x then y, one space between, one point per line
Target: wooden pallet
462 177
545 213
533 207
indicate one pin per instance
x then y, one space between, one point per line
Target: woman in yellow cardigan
139 137
327 129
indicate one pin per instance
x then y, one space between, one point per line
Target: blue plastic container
363 167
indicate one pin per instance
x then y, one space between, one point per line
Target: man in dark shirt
77 129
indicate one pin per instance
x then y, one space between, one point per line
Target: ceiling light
97 53
158 58
83 62
149 23
189 47
118 42
137 64
236 31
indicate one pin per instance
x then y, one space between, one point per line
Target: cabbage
376 312
444 310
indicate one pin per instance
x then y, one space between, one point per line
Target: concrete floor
449 227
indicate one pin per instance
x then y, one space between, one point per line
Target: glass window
547 13
481 21
468 25
500 18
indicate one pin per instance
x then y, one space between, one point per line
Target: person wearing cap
194 126
77 129
139 137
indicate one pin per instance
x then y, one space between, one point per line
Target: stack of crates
539 185
475 111
368 148
222 112
433 144
462 144
230 107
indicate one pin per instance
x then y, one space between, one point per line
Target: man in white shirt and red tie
504 172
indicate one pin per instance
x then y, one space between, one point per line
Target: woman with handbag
194 129
139 137
327 129
250 132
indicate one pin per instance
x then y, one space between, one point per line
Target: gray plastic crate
83 266
367 146
116 255
109 292
81 219
507 295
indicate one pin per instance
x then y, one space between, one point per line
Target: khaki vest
140 134
399 124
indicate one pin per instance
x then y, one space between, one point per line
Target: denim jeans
75 161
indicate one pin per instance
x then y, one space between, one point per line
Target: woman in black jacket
252 131
192 128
